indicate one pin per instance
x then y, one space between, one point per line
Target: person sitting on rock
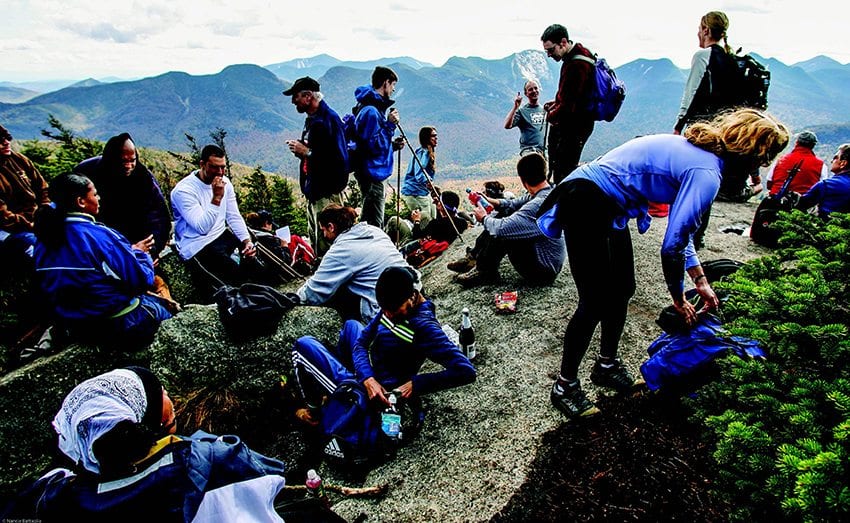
535 256
118 430
95 281
833 194
346 277
389 352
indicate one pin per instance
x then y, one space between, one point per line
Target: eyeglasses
7 137
550 50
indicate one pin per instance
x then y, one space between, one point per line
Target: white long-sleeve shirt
197 222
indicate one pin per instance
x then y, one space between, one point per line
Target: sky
77 39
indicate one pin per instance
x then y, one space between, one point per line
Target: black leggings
602 265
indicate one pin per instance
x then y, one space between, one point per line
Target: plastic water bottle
476 198
315 489
467 335
391 418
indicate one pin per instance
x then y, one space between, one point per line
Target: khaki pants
317 239
425 205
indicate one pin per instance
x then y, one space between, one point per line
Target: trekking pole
546 146
398 201
430 183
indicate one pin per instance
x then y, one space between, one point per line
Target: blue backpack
609 93
353 430
349 128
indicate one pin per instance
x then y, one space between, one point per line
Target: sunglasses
6 136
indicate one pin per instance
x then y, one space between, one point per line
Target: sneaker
573 402
616 377
476 277
466 264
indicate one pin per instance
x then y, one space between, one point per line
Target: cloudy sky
76 39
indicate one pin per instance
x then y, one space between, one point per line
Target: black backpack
768 210
753 81
251 309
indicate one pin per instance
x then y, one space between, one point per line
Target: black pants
602 265
214 265
566 142
489 252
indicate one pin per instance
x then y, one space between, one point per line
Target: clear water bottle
391 418
467 335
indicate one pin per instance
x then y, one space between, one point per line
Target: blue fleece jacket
415 179
374 134
94 274
387 352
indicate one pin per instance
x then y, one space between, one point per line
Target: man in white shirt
208 227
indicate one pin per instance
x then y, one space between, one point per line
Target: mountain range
467 99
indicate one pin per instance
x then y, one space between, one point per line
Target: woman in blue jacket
416 189
94 280
594 205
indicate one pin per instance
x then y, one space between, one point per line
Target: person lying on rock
118 432
95 282
592 208
388 353
345 279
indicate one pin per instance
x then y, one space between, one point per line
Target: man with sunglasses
207 225
22 191
833 194
571 121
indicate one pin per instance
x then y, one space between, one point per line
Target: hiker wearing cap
22 191
536 257
833 194
812 169
593 207
529 118
571 121
389 352
374 128
125 462
346 276
323 151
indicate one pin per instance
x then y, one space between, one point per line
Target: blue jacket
374 134
831 195
415 182
394 353
94 274
187 480
325 172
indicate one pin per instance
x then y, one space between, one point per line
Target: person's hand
248 249
144 245
398 143
517 100
416 215
709 298
217 189
393 116
405 390
297 148
685 310
479 213
547 106
375 390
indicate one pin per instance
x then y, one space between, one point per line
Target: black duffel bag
252 309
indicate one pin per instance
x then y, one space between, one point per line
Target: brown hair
425 142
343 218
746 133
717 23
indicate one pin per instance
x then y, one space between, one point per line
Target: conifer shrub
782 426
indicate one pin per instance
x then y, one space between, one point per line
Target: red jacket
810 171
573 88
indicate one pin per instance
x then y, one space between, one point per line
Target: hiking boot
615 377
572 401
466 264
475 277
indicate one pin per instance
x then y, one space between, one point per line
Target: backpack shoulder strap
584 59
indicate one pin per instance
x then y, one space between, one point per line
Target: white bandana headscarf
93 408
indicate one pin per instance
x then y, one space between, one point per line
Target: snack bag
506 302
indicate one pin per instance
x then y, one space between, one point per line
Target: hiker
323 152
22 191
812 170
711 89
536 257
95 282
374 129
207 225
568 114
389 352
346 276
448 224
530 118
126 463
833 194
262 229
594 205
416 190
131 201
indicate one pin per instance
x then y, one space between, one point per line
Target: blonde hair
717 23
747 133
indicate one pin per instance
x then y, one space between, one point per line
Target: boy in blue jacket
387 354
